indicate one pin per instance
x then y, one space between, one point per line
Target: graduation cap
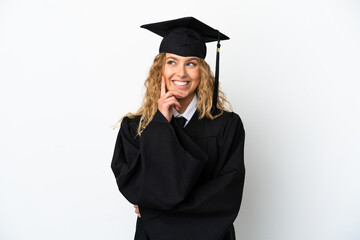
187 37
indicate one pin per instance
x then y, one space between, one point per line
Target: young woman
179 159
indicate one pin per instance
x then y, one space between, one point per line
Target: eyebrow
193 59
172 58
190 59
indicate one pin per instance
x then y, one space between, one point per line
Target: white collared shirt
189 112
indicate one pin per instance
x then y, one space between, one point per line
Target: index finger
163 91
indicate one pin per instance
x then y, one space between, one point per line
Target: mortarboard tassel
216 84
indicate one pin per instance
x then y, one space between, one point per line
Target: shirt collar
190 110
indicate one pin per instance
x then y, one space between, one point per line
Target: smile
181 83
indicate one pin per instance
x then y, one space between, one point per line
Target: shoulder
131 120
129 125
227 118
206 127
229 115
232 128
230 120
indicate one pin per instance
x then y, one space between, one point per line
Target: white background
70 69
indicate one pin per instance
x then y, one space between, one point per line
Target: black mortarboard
187 37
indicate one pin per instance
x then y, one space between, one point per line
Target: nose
181 71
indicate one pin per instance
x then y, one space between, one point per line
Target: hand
168 100
137 210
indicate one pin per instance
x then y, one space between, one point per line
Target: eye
171 62
190 64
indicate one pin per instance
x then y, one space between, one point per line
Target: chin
183 97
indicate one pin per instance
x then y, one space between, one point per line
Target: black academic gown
188 182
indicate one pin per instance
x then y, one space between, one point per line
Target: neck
184 102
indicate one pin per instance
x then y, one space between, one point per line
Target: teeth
180 83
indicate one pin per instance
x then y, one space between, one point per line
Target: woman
179 158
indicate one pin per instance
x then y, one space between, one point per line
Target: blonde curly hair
204 94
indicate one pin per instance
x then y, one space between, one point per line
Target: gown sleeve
154 170
210 208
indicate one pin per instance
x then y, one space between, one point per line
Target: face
181 74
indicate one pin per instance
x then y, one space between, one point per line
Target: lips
181 83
